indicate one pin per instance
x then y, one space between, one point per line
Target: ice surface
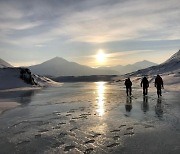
91 118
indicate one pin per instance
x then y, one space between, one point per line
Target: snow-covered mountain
131 67
61 67
174 58
170 66
11 78
4 64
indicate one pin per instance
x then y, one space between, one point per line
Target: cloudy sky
32 31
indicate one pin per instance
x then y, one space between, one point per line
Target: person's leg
160 92
127 91
130 91
144 91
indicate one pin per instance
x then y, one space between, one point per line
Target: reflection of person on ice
128 105
128 85
145 85
159 85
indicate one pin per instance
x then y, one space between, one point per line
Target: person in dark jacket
128 85
159 85
145 85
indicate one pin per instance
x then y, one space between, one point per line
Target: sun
101 56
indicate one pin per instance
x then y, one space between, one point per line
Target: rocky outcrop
26 76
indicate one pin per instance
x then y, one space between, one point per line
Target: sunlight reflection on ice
100 97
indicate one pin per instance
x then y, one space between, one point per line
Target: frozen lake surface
90 118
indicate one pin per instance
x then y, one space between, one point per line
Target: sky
127 31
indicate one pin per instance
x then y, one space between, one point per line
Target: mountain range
170 66
131 67
61 67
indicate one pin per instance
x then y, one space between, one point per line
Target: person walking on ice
159 85
128 85
145 85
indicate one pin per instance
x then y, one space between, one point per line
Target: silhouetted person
159 85
128 85
145 85
128 105
145 105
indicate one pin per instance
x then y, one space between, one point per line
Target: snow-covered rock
11 78
44 81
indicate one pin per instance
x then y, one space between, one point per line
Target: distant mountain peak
145 61
56 60
4 64
144 64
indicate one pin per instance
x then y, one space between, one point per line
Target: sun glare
101 56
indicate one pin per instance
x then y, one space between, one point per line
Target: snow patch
10 78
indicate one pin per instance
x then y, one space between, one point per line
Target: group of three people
145 85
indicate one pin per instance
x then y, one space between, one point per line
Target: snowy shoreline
12 85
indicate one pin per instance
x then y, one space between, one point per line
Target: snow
11 85
10 79
175 57
44 81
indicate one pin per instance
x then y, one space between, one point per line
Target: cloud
69 28
10 26
123 21
92 22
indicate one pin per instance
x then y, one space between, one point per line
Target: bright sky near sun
90 32
101 56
